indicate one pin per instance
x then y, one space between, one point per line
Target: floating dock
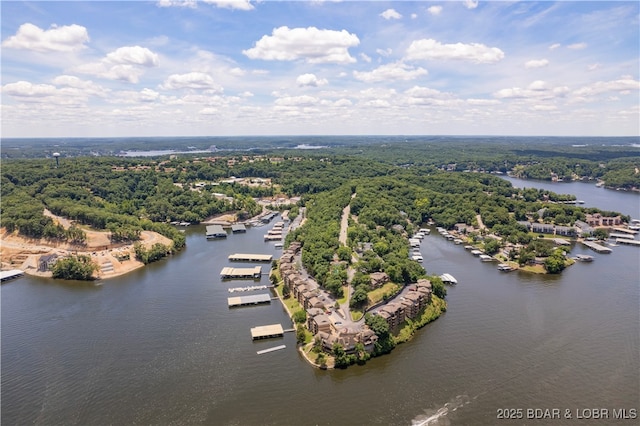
238 228
619 236
246 257
275 348
269 237
249 288
448 279
10 275
255 299
597 247
238 273
216 231
628 242
267 331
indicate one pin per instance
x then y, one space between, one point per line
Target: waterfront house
319 323
46 262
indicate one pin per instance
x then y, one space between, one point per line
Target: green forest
392 187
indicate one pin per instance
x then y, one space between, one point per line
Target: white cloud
470 4
435 10
384 52
177 3
593 67
554 46
390 14
365 58
56 39
577 46
311 44
414 15
392 71
544 107
125 63
208 111
25 89
536 63
297 101
310 80
474 52
483 102
192 80
599 87
89 87
133 55
231 4
536 90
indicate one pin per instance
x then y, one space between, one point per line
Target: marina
246 257
256 299
229 273
267 331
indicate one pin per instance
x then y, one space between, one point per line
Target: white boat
476 252
486 258
584 258
504 267
457 241
448 279
425 231
417 258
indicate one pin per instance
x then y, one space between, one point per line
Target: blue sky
240 67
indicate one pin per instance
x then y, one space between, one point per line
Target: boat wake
438 417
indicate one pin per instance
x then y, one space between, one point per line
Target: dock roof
265 331
251 257
228 272
253 299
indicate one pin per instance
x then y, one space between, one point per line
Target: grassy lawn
377 295
356 315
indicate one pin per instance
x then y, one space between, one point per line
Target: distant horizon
327 136
252 68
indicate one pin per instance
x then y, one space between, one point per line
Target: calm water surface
160 345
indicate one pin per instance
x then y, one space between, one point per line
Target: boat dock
273 237
216 231
238 228
10 275
267 331
597 247
239 273
621 236
625 230
256 299
249 288
246 257
628 242
448 279
275 348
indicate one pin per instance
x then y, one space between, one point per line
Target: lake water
160 345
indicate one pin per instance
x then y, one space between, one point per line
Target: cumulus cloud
554 46
392 71
473 52
470 4
435 10
390 14
621 85
231 4
297 101
310 80
365 57
482 102
311 44
536 90
536 63
192 80
177 3
89 87
125 63
133 55
46 94
384 52
67 38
